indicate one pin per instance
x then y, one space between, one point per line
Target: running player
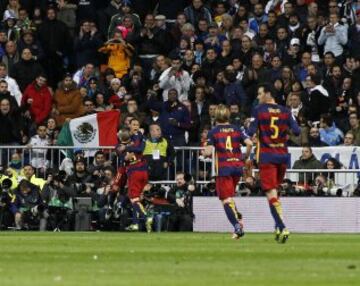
272 122
226 139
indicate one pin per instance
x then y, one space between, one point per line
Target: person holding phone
334 36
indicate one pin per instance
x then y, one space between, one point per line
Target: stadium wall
303 215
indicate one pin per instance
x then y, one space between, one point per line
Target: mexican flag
98 129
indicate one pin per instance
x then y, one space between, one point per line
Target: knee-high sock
231 213
138 212
276 212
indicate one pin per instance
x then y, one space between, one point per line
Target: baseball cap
295 41
160 17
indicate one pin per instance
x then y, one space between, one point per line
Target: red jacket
42 102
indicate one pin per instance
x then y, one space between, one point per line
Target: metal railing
187 159
347 179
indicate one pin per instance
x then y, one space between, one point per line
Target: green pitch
177 259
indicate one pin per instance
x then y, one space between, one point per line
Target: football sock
273 214
138 212
276 212
231 213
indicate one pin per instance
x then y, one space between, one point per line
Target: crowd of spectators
169 64
65 59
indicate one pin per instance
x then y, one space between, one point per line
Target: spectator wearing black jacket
319 102
25 71
211 65
196 11
86 45
354 37
254 75
170 8
10 124
55 38
174 118
29 41
233 92
5 94
104 16
151 42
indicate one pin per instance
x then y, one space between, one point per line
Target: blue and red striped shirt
227 140
137 147
272 122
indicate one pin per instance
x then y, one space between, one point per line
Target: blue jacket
178 112
254 23
331 136
234 94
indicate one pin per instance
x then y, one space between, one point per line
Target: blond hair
222 114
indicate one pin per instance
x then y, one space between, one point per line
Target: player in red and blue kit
136 172
227 140
272 123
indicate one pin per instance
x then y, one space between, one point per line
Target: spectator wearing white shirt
13 87
334 36
38 156
175 77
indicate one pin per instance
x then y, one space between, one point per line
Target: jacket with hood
68 102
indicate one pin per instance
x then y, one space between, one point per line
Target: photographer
250 187
59 198
104 198
81 181
28 207
6 197
181 197
99 162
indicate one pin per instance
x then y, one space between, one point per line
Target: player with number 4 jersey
227 140
272 124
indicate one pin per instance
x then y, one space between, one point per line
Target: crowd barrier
302 215
346 180
187 159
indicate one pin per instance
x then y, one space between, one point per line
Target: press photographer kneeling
58 196
28 208
180 196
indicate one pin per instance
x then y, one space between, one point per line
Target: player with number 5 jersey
272 124
227 140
